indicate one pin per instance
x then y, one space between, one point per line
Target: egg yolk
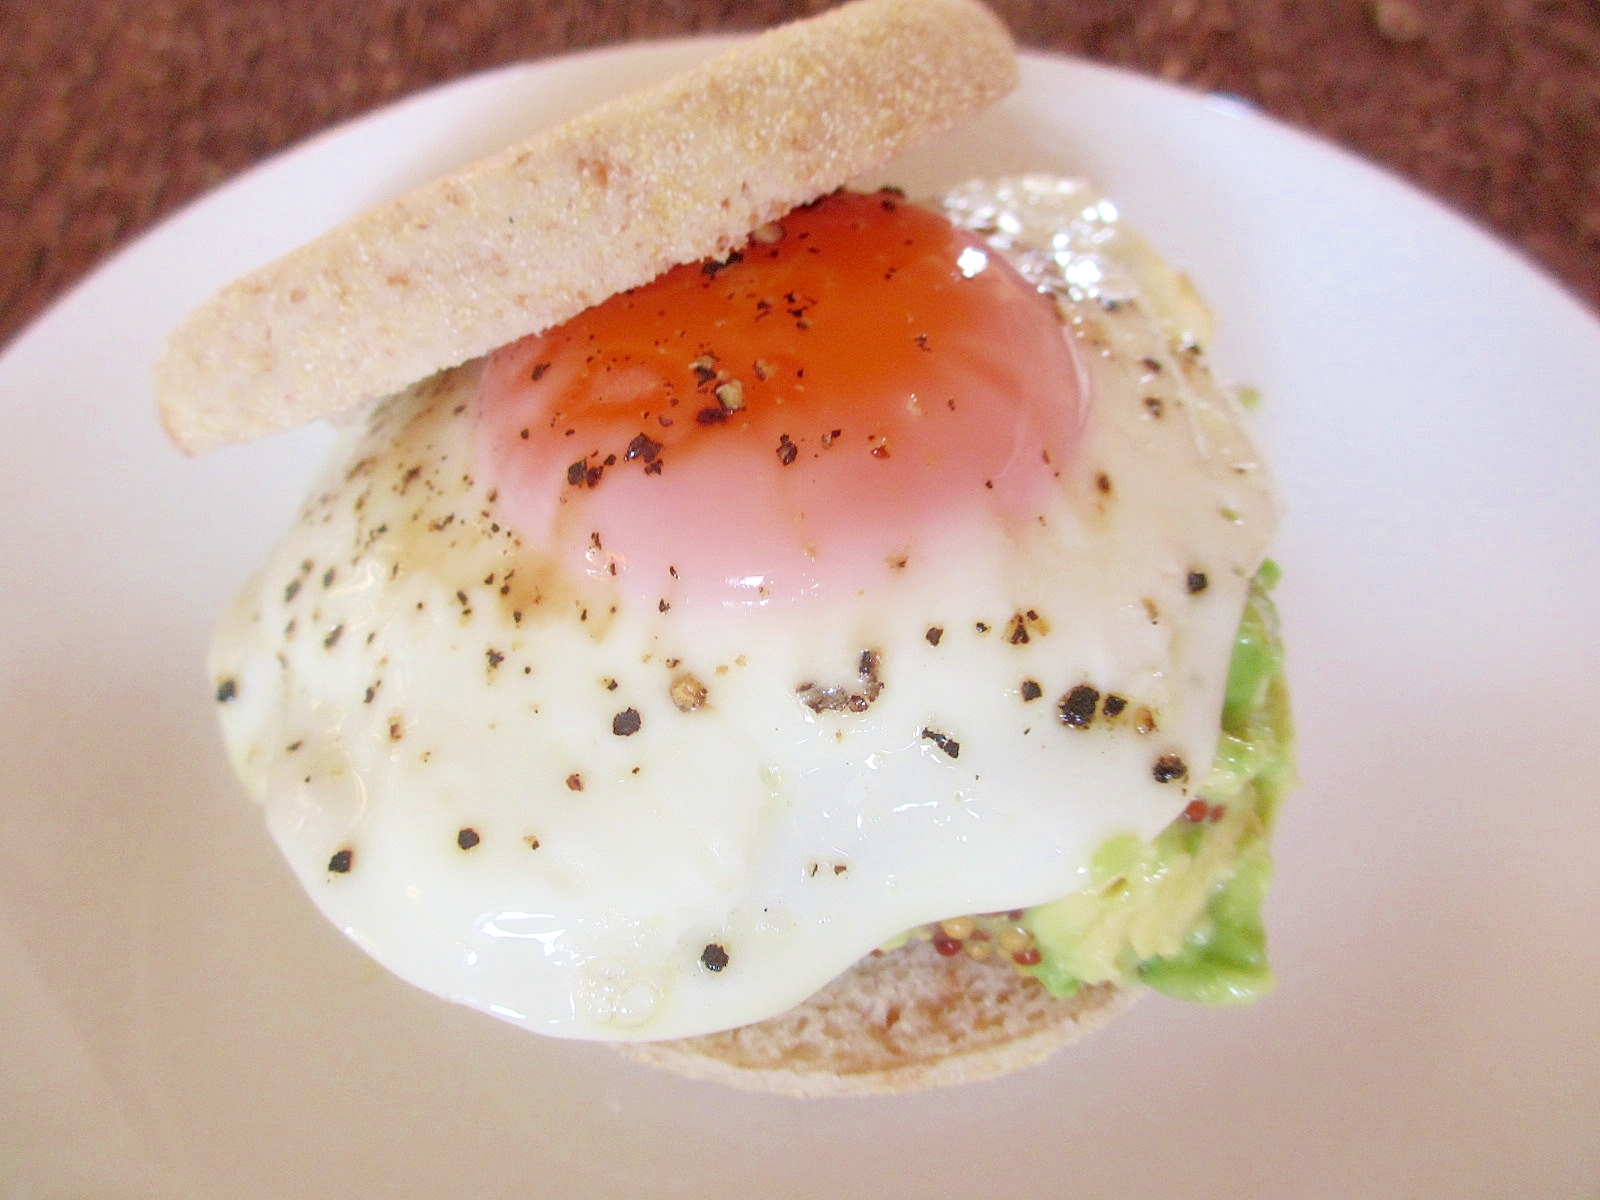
791 421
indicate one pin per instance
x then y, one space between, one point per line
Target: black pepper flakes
227 691
643 447
1031 690
933 635
711 416
1078 705
943 741
538 371
1196 582
575 472
1018 634
713 957
842 699
341 861
627 722
1113 705
332 640
1169 767
468 838
494 657
711 266
787 450
575 782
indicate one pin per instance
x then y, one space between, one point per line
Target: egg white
421 699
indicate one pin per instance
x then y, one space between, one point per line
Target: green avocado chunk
1182 912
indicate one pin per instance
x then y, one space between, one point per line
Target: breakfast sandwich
817 639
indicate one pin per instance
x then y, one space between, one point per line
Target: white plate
178 1022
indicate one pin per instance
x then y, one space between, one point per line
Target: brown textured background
115 112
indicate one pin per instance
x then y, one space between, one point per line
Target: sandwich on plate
817 639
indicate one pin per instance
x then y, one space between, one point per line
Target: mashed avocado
1182 913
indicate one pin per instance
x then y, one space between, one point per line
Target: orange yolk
791 422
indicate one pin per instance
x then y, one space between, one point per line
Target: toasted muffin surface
530 237
900 1021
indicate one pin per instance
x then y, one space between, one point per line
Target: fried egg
634 681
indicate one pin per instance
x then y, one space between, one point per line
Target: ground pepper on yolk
786 421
